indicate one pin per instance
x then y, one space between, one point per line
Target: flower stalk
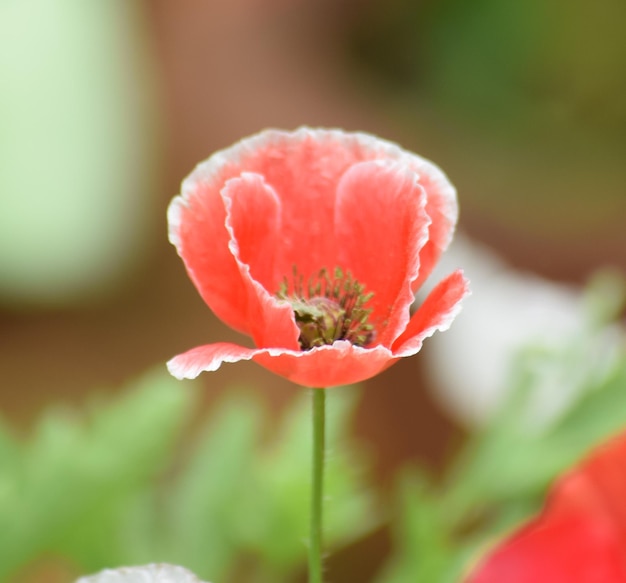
317 486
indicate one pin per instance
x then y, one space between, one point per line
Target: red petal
581 535
436 313
442 208
207 358
564 550
327 366
381 225
303 168
253 222
338 364
196 227
606 473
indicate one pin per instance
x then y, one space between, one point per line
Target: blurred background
106 106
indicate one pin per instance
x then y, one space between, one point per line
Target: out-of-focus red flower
580 537
314 242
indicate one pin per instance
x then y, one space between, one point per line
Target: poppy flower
580 537
313 243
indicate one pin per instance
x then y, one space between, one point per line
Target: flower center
328 308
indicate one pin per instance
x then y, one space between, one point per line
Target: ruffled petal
303 167
333 365
381 226
436 313
207 358
251 213
442 208
197 229
253 223
327 366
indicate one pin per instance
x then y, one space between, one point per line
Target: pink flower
313 243
580 537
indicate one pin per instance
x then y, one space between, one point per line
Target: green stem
317 490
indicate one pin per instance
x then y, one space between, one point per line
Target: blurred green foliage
66 488
498 481
500 477
122 487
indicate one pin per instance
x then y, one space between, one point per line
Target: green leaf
279 498
422 550
74 473
205 502
105 489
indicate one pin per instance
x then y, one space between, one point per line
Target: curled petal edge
396 204
326 366
437 313
269 317
202 186
340 363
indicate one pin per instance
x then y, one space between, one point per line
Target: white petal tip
180 372
154 573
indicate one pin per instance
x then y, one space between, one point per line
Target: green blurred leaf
513 459
106 490
73 473
422 549
205 502
500 476
279 529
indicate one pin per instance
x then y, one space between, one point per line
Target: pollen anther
328 308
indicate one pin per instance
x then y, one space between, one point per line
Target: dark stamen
330 308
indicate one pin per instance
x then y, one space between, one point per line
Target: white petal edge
205 171
190 364
209 357
414 344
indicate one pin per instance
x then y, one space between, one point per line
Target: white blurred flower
509 311
160 573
